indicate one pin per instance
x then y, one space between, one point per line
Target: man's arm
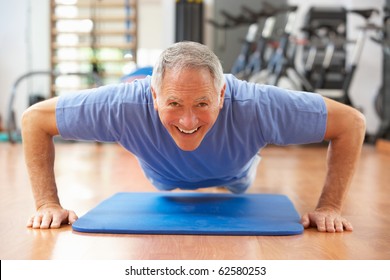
38 128
345 130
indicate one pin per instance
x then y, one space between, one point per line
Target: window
94 39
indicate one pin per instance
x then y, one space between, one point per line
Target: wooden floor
89 173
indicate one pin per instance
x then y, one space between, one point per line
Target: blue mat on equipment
192 213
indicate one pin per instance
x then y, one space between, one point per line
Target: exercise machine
326 64
232 21
13 130
382 99
281 64
262 38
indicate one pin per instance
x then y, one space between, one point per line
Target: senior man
191 126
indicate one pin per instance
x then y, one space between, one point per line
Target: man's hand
345 132
326 220
38 128
51 216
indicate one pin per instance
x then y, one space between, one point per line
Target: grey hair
187 55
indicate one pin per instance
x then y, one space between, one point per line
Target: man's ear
222 96
154 95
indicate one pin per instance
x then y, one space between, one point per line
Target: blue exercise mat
192 213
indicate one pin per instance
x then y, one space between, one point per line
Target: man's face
188 106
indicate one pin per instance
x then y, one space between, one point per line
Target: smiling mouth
187 131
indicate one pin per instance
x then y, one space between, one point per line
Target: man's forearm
39 155
342 159
40 163
338 179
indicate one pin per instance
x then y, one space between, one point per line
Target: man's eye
173 104
202 104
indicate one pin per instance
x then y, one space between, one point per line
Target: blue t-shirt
252 116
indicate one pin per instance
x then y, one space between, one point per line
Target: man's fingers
46 220
68 216
329 224
37 221
321 224
305 221
338 225
56 222
326 221
30 222
72 217
347 225
51 219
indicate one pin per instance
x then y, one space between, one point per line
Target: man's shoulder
137 91
241 90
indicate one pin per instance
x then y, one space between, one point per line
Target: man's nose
188 119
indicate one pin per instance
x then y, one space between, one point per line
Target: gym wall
22 52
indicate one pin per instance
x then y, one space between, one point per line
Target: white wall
151 31
24 45
12 46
